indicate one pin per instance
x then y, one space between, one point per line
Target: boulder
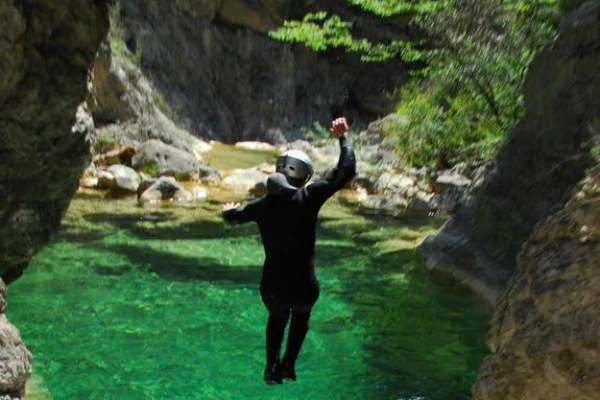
208 175
167 160
125 178
166 188
380 204
244 180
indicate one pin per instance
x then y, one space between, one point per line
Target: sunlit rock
167 160
545 333
243 180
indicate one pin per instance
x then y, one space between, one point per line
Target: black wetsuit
287 223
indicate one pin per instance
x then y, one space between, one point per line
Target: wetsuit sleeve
342 174
247 213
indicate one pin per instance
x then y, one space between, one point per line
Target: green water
139 304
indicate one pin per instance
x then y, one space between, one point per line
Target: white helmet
296 166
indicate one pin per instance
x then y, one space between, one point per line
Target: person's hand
230 206
339 127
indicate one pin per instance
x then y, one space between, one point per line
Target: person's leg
274 335
296 335
279 315
298 329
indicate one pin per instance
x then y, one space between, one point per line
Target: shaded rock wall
227 80
47 47
545 334
545 156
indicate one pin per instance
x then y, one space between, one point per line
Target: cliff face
226 79
47 49
545 156
545 332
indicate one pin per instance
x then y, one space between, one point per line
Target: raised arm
345 169
346 166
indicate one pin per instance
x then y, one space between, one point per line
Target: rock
105 180
262 16
117 155
389 183
15 367
47 49
545 334
164 188
90 182
198 51
199 147
374 145
126 108
545 155
166 159
384 204
244 180
367 183
209 175
125 178
421 202
447 181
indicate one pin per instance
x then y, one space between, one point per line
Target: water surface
131 303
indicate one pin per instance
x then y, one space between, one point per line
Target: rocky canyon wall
545 156
545 334
47 48
226 79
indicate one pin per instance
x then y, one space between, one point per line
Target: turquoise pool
128 303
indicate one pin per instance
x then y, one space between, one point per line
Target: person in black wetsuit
287 219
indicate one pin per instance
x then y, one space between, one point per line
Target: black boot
272 375
288 370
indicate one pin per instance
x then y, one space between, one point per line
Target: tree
473 54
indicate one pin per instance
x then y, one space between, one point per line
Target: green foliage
320 32
439 129
152 169
475 52
117 45
318 133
